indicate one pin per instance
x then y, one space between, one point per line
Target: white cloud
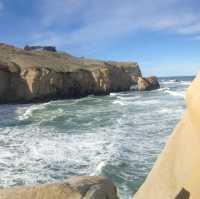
60 11
81 23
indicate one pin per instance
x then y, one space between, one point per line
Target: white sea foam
128 98
175 93
120 102
49 150
163 88
187 83
170 82
125 101
5 154
26 112
146 102
165 110
113 94
99 168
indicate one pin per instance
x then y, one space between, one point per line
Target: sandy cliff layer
40 75
176 173
73 188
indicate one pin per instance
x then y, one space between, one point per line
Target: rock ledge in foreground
74 188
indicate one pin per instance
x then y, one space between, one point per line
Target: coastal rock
134 72
93 187
74 188
29 76
78 83
110 78
176 172
4 82
147 84
134 79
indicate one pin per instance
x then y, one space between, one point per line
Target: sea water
118 136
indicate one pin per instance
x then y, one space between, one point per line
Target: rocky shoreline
42 75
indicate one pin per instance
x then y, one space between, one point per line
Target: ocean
118 136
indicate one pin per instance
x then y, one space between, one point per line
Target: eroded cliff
27 76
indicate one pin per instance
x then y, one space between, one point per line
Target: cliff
73 188
28 75
176 172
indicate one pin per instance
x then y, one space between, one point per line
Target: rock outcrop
28 75
147 84
73 188
176 172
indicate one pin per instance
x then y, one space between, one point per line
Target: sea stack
176 172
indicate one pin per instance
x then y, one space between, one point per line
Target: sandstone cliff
73 188
27 76
176 173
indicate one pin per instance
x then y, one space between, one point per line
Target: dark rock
183 194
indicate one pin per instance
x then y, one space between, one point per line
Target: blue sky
163 36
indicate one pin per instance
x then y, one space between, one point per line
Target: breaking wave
118 136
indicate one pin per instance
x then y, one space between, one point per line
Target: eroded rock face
28 76
147 84
77 84
40 84
74 188
110 78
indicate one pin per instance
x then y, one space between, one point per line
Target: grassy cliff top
60 62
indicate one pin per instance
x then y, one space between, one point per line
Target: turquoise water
118 136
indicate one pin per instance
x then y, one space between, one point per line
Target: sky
163 36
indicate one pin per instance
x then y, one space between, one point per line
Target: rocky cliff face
29 75
41 75
73 188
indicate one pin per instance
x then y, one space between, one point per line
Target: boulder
147 84
93 187
74 188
